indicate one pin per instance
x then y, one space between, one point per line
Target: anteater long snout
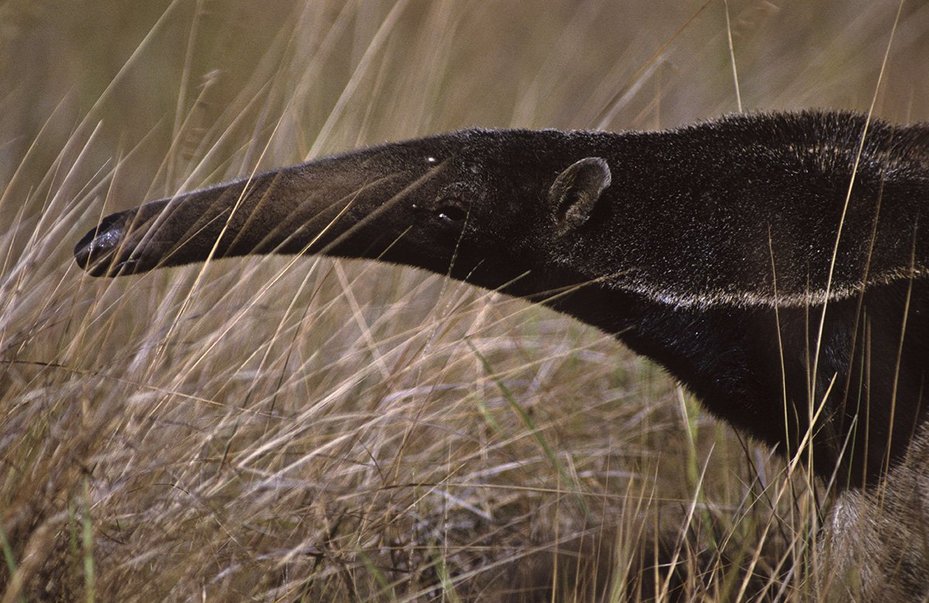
167 232
300 209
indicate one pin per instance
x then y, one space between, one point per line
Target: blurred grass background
281 429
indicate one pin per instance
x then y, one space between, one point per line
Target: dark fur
706 248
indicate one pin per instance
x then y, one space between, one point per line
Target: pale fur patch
745 299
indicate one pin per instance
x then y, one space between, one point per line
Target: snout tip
97 251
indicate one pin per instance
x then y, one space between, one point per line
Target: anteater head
474 204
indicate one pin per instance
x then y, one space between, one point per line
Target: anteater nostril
95 250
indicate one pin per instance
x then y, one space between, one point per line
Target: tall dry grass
303 429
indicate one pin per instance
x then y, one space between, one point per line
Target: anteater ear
574 194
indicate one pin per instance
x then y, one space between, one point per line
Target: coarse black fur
712 249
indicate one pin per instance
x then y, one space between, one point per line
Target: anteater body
776 264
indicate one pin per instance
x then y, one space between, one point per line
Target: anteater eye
451 214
